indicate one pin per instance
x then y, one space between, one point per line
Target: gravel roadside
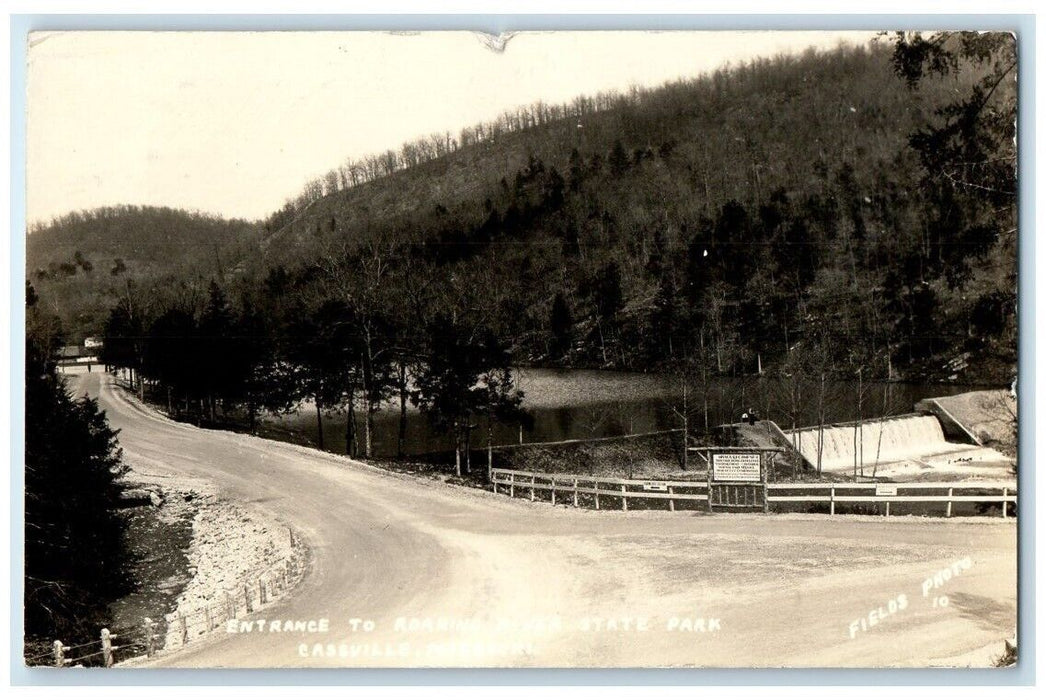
235 553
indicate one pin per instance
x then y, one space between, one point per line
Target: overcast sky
236 123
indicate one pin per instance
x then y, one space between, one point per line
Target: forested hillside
848 214
754 206
82 262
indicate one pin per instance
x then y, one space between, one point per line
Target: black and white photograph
548 349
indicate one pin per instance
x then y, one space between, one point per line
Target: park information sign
736 466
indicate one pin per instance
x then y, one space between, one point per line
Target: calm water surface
574 404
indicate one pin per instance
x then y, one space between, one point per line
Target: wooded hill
819 206
81 263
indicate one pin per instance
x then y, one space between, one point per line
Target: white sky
235 123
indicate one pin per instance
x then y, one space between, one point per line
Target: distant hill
755 199
80 262
737 134
744 209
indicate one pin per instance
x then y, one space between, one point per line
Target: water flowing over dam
894 439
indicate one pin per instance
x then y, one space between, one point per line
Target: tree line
874 265
354 172
333 335
75 555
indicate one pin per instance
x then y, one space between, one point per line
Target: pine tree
561 325
75 558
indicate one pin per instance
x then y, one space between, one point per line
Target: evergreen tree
619 161
75 560
467 373
561 325
222 372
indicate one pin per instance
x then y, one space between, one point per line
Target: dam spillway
876 441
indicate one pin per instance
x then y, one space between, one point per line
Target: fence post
532 487
624 498
185 630
553 480
512 485
262 593
597 493
831 502
671 502
230 606
949 513
107 648
887 509
150 640
1004 503
247 596
708 473
575 493
59 653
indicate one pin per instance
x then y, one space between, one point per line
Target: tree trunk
319 424
858 429
368 403
351 442
686 422
369 427
401 439
820 425
490 448
602 341
457 452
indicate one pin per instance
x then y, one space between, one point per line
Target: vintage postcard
677 349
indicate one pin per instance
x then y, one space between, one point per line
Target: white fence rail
258 590
567 488
1002 493
574 485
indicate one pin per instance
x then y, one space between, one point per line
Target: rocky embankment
990 415
238 559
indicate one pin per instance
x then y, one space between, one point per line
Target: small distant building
93 343
70 355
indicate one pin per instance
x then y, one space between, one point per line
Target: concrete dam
918 439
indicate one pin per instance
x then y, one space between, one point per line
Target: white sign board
885 489
736 466
655 486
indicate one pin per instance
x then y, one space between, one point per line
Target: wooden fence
572 486
569 488
145 640
1002 493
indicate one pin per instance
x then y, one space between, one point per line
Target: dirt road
410 572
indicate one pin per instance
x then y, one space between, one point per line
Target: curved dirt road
527 584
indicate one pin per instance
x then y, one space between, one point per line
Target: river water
578 404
